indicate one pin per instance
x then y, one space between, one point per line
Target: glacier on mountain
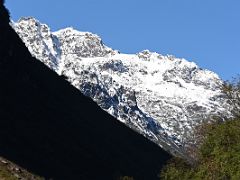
162 97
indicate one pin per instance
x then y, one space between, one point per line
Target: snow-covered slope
161 97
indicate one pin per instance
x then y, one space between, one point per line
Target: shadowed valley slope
49 128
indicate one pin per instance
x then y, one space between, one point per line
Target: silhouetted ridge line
49 128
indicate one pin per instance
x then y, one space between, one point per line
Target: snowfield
162 97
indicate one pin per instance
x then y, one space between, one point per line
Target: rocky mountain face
11 171
161 97
51 129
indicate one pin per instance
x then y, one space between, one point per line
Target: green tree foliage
218 154
232 91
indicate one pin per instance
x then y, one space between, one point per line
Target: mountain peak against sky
52 130
162 97
71 41
205 31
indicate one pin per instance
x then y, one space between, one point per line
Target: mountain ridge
162 97
52 130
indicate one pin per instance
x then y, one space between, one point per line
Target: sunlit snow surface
161 97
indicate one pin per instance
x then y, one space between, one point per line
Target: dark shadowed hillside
49 128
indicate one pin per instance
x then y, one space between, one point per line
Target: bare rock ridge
11 171
51 129
162 97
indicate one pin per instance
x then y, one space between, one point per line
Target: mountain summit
51 129
162 97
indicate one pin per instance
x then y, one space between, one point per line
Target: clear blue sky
204 31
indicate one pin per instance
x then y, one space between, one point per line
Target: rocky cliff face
51 129
162 97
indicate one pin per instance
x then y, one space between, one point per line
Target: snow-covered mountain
161 97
